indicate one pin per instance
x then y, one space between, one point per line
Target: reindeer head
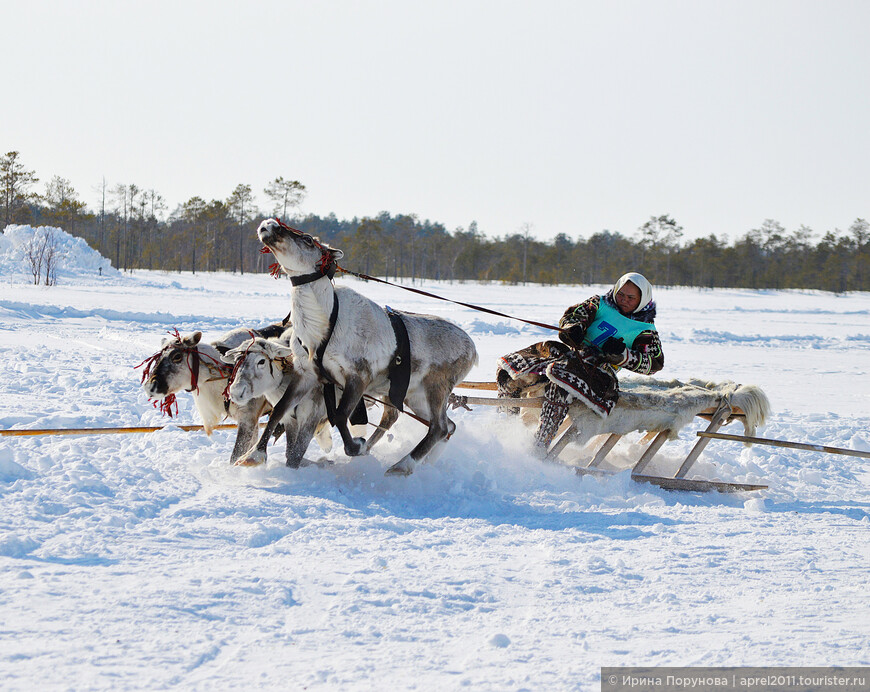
296 252
258 368
170 370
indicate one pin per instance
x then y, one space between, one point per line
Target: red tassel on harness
274 268
236 366
165 405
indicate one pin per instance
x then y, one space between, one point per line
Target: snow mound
76 257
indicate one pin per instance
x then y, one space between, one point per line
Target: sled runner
661 408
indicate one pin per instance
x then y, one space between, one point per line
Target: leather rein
328 267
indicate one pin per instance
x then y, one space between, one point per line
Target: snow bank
76 257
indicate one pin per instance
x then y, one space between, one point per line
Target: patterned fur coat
581 371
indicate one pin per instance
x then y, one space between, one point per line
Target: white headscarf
638 280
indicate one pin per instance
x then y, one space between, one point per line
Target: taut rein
479 308
328 266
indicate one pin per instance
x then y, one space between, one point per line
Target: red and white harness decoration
326 266
238 364
274 268
192 360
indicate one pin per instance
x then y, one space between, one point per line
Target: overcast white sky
572 116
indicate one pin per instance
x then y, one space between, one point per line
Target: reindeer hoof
253 459
357 447
405 467
249 462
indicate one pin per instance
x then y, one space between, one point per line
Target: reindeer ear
336 253
281 350
191 340
233 354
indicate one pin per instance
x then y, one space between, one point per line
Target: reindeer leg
299 435
248 417
439 446
405 466
288 400
353 391
439 427
390 416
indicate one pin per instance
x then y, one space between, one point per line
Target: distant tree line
132 228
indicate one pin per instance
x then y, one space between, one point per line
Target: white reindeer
186 363
263 369
344 338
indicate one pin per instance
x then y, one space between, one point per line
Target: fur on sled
653 405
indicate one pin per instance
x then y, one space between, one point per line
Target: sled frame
721 415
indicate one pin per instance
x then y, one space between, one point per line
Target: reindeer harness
399 371
193 359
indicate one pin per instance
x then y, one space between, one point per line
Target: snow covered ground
148 562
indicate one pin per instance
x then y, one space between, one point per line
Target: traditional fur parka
575 367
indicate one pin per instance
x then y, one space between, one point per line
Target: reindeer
343 339
263 369
179 365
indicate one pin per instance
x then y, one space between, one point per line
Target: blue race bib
611 322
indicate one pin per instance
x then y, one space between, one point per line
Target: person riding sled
598 337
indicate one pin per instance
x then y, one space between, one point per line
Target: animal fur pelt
653 405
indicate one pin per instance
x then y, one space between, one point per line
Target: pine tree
15 179
192 212
63 202
241 205
285 194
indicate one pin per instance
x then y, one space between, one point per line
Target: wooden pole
108 431
717 420
530 402
786 443
491 386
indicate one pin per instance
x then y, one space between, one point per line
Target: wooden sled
721 415
659 425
